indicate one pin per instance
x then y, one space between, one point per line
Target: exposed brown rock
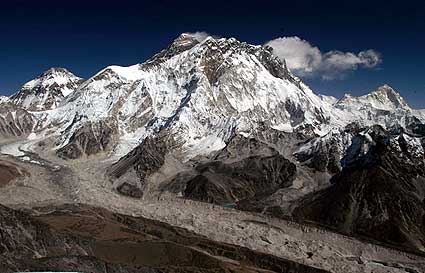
88 140
84 238
9 172
144 160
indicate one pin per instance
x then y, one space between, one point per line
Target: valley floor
54 182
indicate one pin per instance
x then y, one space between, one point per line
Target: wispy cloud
305 59
199 35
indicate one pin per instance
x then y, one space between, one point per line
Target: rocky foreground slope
224 122
83 238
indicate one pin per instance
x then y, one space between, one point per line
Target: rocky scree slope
84 238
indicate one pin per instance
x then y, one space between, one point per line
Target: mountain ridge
121 96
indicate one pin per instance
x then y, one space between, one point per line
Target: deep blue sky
86 36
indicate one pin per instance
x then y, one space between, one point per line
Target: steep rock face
46 91
184 42
415 127
255 176
90 139
324 153
143 161
244 169
379 193
15 121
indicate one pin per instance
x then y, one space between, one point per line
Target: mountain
3 99
193 143
202 92
25 112
383 106
384 98
225 122
379 192
47 90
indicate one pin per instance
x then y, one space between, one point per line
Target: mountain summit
47 90
383 106
385 97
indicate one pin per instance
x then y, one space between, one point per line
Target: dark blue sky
86 36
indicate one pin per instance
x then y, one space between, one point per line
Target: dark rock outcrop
255 176
143 161
379 194
324 154
243 170
88 140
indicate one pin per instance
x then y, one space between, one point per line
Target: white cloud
306 60
300 56
370 58
199 35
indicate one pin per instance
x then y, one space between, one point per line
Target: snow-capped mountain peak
3 99
182 43
386 97
384 106
47 90
383 98
201 91
55 75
